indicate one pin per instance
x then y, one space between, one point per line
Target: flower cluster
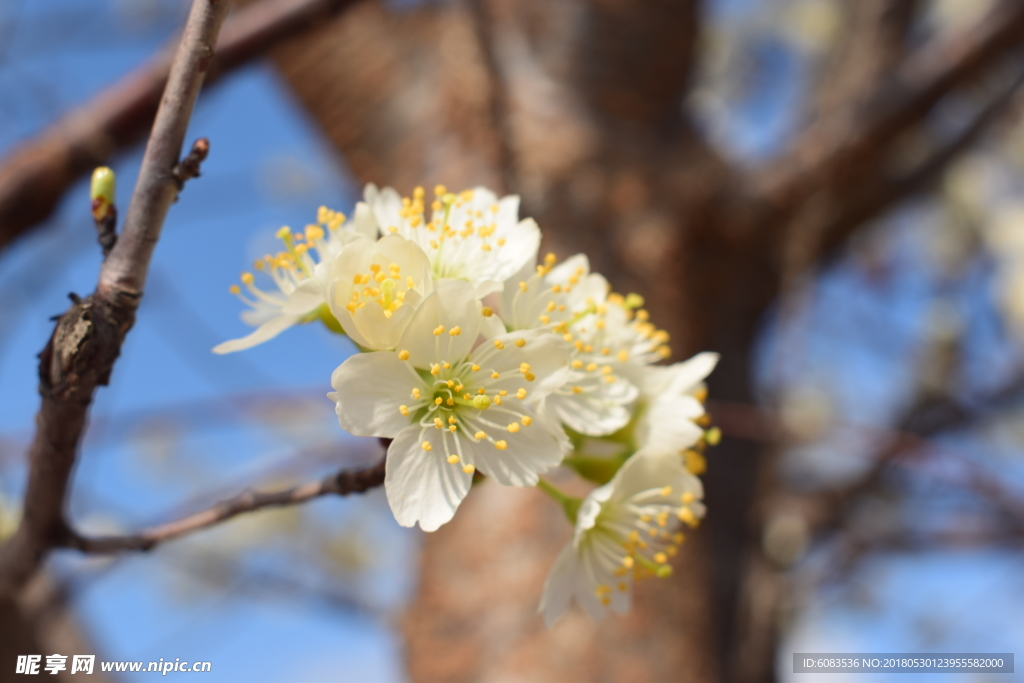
476 360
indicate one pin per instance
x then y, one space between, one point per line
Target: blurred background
827 192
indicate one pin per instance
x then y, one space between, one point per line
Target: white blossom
375 289
570 300
472 236
300 276
670 402
453 407
625 530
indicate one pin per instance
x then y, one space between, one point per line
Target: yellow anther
374 268
455 331
713 436
495 375
440 190
522 287
524 367
438 401
545 319
577 390
439 330
446 365
606 370
475 367
527 420
567 336
450 383
479 435
466 397
627 562
481 390
403 355
687 498
487 311
426 446
450 401
550 259
652 531
235 289
468 469
671 550
529 376
610 379
452 459
435 369
417 193
501 445
392 229
415 392
521 394
498 344
578 364
438 423
409 282
686 515
520 343
678 538
247 278
666 491
660 558
497 399
404 410
556 288
284 233
452 428
513 427
591 367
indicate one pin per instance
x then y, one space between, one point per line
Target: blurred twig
35 176
80 354
835 146
342 484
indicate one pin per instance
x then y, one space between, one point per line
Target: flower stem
570 504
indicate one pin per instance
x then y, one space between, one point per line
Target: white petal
521 247
305 299
369 388
688 374
364 223
452 304
546 353
268 330
421 485
645 471
563 271
559 586
530 451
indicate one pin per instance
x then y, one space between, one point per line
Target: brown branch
874 42
835 147
874 198
35 176
87 340
342 483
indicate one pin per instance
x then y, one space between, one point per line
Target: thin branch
827 151
877 197
80 354
35 176
342 483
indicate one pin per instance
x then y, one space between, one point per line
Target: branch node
188 167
